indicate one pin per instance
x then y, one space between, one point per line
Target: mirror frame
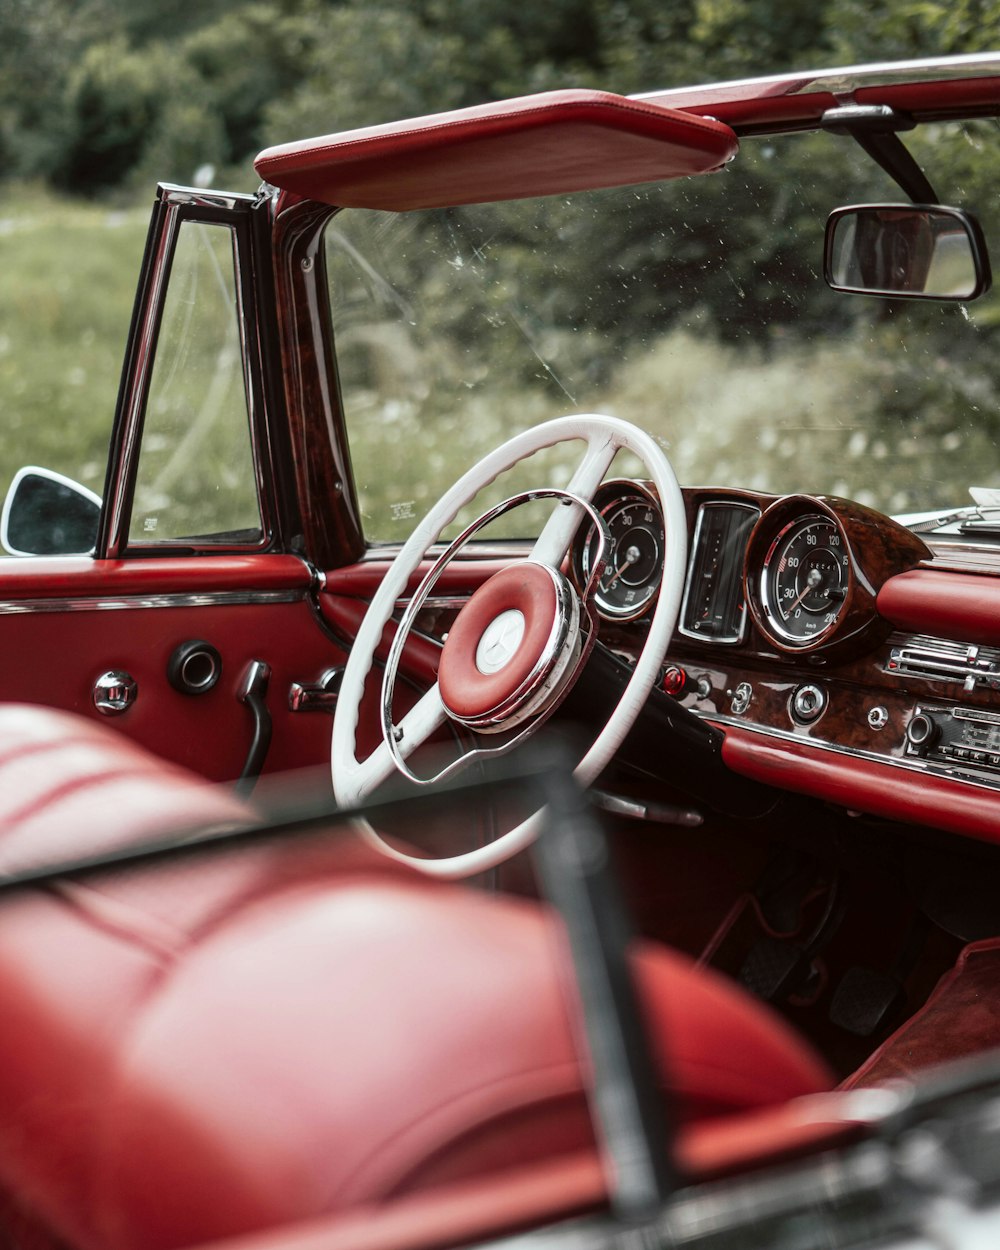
31 470
971 227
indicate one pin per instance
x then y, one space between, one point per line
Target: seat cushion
288 1031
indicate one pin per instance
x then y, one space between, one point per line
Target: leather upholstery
862 784
547 144
287 1032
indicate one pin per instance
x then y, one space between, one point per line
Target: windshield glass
696 309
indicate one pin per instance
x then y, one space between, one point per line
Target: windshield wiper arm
929 524
981 519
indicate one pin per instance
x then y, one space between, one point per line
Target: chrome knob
878 717
115 692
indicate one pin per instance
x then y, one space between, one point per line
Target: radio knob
922 732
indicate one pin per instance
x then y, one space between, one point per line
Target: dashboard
840 655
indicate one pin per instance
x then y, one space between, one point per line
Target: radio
964 737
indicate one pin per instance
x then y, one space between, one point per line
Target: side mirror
909 251
46 514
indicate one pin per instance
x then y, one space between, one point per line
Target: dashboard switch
808 703
674 681
741 698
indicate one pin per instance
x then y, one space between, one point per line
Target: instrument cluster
804 569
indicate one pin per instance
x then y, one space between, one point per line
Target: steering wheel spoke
421 722
554 541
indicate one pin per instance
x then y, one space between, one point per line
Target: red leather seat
283 1032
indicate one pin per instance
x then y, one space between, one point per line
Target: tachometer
634 565
804 581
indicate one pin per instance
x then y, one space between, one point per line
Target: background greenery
101 98
97 97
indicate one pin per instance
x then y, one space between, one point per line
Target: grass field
68 274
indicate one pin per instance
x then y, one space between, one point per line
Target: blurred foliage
92 90
101 98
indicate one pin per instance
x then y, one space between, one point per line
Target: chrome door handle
321 697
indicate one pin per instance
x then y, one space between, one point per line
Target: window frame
174 206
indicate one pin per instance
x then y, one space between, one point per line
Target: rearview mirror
906 251
46 514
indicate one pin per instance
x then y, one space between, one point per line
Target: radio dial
922 732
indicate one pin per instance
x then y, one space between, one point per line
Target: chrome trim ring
555 661
550 693
772 614
620 493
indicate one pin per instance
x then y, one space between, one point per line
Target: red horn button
499 641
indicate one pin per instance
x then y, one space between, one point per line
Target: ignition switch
808 703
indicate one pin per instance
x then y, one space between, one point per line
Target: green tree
366 65
125 103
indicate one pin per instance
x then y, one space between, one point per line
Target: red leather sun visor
548 144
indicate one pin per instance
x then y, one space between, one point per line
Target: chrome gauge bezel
611 498
768 586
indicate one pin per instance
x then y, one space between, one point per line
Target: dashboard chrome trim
184 599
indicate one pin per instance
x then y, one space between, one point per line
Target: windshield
696 309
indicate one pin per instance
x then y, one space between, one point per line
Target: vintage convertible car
358 468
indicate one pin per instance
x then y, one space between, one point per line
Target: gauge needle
630 558
812 581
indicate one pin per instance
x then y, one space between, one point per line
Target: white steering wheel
491 669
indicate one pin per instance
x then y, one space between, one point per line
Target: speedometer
804 581
634 564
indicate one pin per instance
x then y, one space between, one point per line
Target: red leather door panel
64 622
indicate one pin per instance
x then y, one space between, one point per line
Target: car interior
779 692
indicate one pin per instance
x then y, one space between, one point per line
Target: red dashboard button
674 680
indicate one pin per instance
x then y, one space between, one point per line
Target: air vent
938 659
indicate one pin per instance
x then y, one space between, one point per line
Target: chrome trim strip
385 553
839 81
957 553
453 604
134 402
260 450
184 599
196 197
908 764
